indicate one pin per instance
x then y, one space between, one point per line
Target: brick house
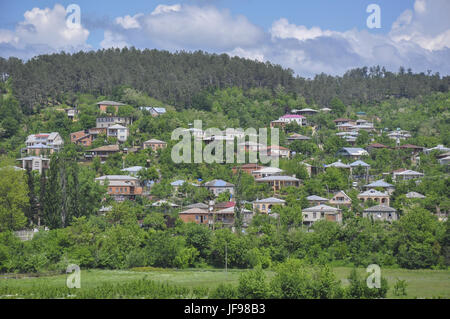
154 144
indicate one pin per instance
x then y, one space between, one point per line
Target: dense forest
182 78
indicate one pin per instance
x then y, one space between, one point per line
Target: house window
314 215
196 217
263 206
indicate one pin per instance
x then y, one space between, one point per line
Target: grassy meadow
420 283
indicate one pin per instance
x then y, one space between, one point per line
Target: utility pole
226 258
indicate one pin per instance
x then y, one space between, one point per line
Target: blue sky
309 37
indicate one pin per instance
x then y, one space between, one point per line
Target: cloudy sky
309 37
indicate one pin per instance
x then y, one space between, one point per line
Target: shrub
253 285
224 291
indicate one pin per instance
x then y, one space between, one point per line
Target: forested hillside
181 78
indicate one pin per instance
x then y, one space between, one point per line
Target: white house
118 131
52 140
321 212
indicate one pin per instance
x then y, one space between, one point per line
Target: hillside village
373 188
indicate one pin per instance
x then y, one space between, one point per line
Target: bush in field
295 279
224 291
400 288
358 287
253 285
163 249
116 243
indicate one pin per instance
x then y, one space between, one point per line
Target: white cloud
129 22
166 9
113 40
283 29
44 30
428 26
252 54
191 27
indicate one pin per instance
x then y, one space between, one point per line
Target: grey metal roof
321 208
198 205
270 200
278 178
359 163
316 198
379 183
109 103
380 208
414 195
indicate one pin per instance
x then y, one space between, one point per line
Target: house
377 196
82 138
38 142
359 169
267 171
325 109
35 163
345 127
410 147
297 137
315 200
444 160
439 148
352 152
381 212
406 174
39 150
218 186
341 121
265 205
340 199
376 146
277 151
102 152
195 215
195 132
338 164
289 118
364 125
247 168
176 184
415 195
121 187
107 121
305 111
321 212
118 131
133 170
72 113
154 144
381 184
250 146
399 135
277 182
103 105
225 217
154 111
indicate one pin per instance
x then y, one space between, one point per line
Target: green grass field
421 283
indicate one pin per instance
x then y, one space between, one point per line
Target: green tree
14 199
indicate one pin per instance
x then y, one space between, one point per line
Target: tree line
181 78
